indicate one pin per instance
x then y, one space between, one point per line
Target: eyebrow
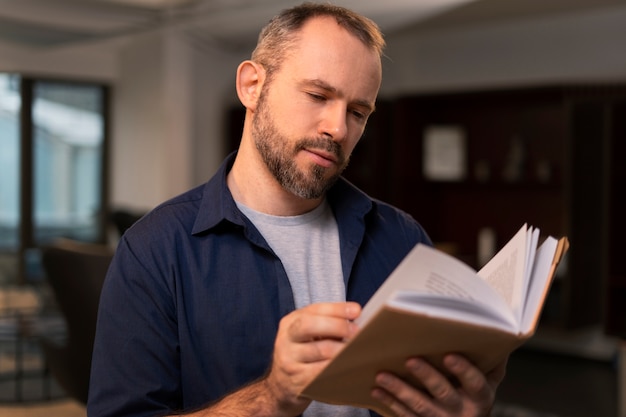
327 87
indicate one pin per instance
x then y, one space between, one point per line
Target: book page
456 309
505 271
427 271
542 272
531 251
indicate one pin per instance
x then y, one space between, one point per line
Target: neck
251 184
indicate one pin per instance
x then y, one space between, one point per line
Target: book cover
433 304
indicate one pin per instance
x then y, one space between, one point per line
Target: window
52 168
10 103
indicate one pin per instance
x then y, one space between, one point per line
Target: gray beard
272 147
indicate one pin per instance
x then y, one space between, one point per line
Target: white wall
169 100
213 77
574 47
138 166
75 61
171 92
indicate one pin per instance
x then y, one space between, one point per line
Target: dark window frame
27 241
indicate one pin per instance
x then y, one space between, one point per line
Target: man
229 299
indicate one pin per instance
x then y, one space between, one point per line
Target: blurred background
492 113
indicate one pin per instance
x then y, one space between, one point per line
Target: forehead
326 51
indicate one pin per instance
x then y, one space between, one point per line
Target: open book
433 304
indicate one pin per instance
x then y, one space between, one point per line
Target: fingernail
452 361
352 309
378 394
383 379
414 365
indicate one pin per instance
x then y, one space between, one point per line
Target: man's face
312 114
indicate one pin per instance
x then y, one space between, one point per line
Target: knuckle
326 349
445 393
419 407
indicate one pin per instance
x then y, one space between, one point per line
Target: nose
333 123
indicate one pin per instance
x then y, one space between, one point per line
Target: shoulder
379 217
178 213
394 228
193 211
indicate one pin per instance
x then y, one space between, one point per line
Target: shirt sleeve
134 370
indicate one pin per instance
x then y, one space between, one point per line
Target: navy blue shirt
191 304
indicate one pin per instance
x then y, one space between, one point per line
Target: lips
321 158
324 154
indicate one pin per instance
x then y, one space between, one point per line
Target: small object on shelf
486 244
516 158
543 171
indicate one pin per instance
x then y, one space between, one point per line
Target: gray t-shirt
308 247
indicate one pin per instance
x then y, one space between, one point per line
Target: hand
306 341
472 396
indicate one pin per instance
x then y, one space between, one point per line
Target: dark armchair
75 273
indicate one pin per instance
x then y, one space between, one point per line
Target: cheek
351 143
296 121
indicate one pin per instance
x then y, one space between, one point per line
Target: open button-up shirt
192 301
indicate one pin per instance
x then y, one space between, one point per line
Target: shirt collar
218 205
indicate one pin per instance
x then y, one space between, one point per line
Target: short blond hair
279 35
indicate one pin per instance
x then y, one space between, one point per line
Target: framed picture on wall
445 153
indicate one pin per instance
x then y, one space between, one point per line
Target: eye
358 114
316 96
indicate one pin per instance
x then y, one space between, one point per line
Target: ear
250 78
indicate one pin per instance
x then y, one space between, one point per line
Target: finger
348 310
322 321
400 397
472 380
398 408
435 383
317 351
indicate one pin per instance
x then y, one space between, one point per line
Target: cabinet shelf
495 185
570 144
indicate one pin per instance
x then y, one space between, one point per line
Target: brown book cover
394 332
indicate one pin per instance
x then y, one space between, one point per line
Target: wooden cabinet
569 147
567 144
616 289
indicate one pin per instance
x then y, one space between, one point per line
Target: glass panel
10 104
68 129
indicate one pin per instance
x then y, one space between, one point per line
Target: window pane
10 103
68 129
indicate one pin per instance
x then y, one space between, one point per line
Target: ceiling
233 23
48 23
